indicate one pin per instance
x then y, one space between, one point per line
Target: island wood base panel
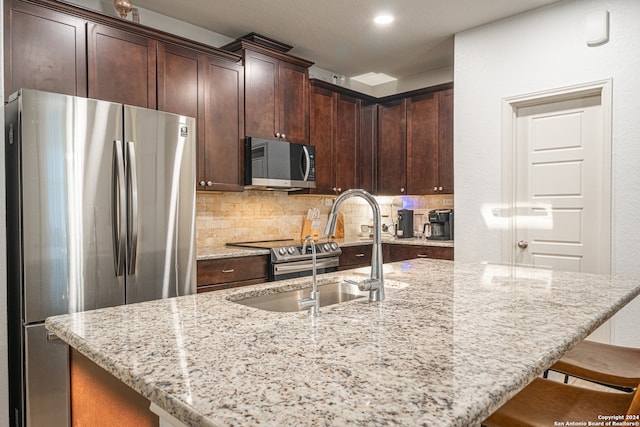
99 399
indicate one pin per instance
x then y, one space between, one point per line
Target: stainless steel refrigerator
100 212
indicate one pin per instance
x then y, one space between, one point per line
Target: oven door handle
297 267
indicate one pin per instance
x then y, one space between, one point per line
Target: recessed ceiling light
383 19
373 79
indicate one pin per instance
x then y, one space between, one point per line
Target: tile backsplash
266 215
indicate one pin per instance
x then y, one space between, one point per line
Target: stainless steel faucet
375 284
313 302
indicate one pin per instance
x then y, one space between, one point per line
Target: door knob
523 244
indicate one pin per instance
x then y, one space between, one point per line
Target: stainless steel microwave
278 165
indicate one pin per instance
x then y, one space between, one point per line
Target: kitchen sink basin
288 301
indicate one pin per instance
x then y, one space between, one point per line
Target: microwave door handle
307 161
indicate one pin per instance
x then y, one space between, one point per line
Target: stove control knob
326 246
282 251
334 246
291 250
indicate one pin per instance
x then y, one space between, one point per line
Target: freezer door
160 176
46 379
67 178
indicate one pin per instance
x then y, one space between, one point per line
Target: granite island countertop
450 344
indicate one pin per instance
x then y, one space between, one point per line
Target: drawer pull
359 255
423 256
228 271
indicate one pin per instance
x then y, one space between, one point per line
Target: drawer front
355 256
404 252
226 270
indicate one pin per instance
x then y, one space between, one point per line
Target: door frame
510 107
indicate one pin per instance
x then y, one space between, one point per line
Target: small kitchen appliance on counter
441 224
405 223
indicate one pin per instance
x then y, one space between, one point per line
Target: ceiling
339 35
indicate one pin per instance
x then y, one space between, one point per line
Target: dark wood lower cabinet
224 273
355 257
399 252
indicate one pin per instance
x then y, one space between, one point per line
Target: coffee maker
405 223
440 224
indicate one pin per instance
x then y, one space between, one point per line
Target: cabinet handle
283 136
439 188
402 190
359 255
202 183
228 271
435 189
334 189
422 256
277 134
209 183
339 190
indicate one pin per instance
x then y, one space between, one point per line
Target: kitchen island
449 345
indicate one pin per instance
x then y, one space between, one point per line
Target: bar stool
610 365
544 402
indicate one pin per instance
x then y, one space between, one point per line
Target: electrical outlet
447 202
328 202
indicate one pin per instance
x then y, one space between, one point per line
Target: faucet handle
366 284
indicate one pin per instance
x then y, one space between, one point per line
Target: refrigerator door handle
132 214
118 204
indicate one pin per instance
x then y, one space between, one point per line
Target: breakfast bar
450 344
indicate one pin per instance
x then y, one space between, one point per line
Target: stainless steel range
287 259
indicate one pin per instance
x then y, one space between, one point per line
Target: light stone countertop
450 344
223 251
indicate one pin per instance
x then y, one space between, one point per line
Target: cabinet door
422 144
445 147
392 148
122 66
367 147
293 103
44 50
345 142
178 81
261 112
220 163
321 126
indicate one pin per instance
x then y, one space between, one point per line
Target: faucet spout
313 302
375 285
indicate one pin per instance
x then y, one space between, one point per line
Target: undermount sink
289 301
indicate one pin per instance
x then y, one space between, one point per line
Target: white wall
540 50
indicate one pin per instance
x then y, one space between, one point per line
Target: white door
557 181
561 202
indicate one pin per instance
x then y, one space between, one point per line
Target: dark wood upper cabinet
366 152
122 66
415 142
392 147
220 165
445 147
336 129
44 50
210 89
276 90
321 129
422 144
178 78
346 142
